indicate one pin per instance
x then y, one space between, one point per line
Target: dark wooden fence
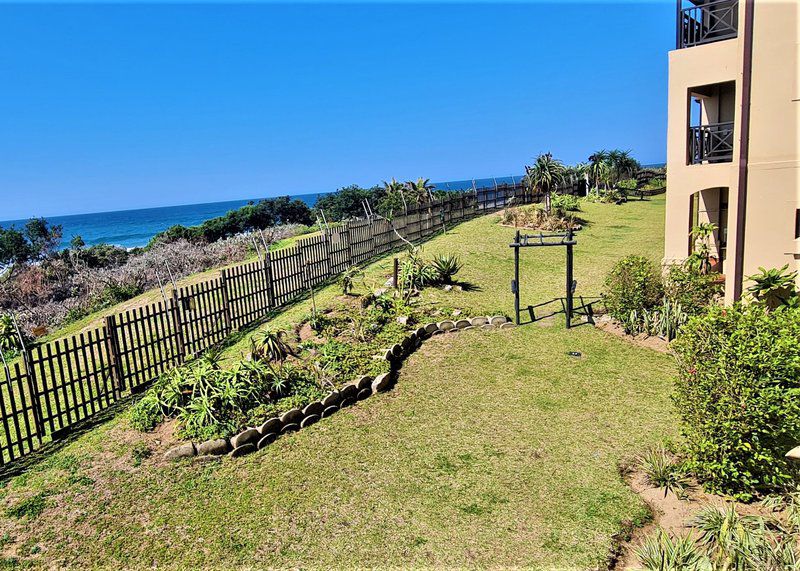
63 382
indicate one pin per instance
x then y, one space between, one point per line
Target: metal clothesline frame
567 240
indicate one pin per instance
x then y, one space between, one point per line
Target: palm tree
599 167
622 164
419 191
392 191
545 174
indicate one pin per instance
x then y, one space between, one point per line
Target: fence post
30 376
226 306
270 282
328 257
176 322
349 246
112 347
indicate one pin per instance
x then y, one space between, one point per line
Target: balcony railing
711 143
707 22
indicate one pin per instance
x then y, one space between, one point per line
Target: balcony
712 143
705 22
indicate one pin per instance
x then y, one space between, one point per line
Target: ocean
132 228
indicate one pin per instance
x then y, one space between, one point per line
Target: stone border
256 438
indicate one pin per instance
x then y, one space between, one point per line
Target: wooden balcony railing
712 143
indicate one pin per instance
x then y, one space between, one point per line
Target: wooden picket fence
61 383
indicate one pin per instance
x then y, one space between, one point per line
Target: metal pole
569 278
396 273
515 285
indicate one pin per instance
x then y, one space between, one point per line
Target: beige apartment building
733 135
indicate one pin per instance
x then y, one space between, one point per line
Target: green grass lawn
494 449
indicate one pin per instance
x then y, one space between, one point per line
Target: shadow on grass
582 307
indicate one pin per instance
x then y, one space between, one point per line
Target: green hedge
738 396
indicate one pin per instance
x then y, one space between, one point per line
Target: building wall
773 175
774 164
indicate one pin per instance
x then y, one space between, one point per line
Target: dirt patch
655 343
673 514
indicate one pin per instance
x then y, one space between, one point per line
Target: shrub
686 286
146 413
446 266
534 216
774 287
626 185
632 287
565 202
737 396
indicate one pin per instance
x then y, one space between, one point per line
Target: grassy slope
495 448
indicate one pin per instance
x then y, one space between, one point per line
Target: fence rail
66 381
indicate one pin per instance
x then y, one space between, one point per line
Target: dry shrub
55 291
534 216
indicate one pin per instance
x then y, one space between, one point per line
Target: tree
345 203
418 191
621 165
545 174
392 198
14 248
599 168
42 236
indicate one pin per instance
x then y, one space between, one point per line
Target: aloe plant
446 266
270 345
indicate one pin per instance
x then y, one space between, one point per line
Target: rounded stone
363 382
421 333
181 451
309 420
315 408
215 447
463 323
468 328
268 439
487 327
242 450
272 425
329 411
332 399
347 402
293 427
349 392
397 350
250 435
498 320
382 382
388 355
406 344
478 321
431 328
445 325
292 416
507 325
363 393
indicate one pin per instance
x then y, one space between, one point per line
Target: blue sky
106 107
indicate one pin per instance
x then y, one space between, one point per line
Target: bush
690 289
565 202
147 413
632 287
534 216
737 396
627 185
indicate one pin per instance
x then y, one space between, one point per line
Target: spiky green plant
270 345
661 471
661 552
773 287
446 266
